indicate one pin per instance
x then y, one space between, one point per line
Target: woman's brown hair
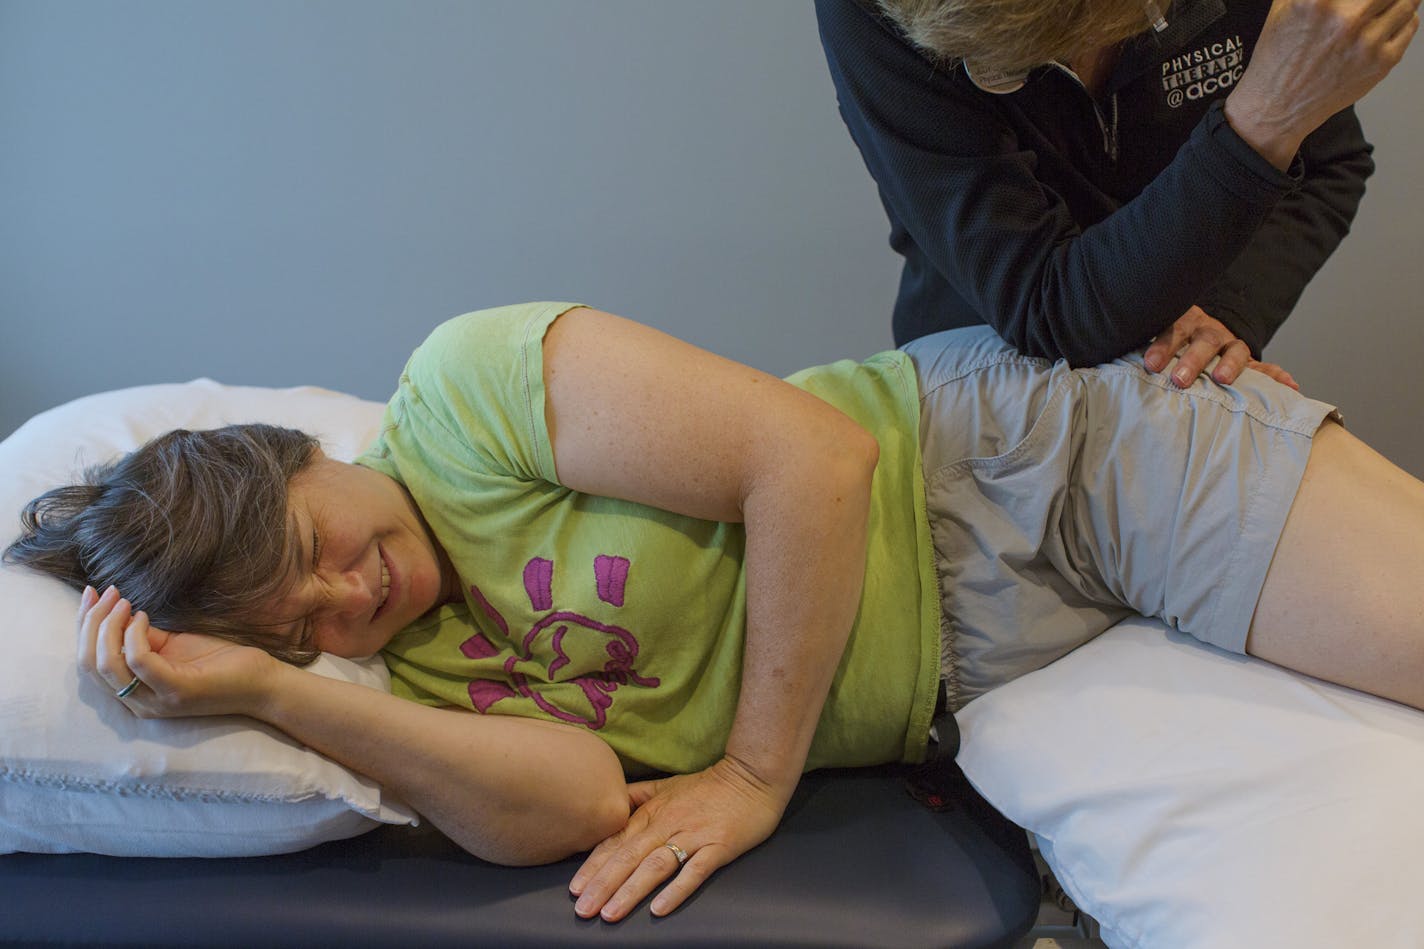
191 527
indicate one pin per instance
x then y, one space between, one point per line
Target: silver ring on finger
127 690
677 852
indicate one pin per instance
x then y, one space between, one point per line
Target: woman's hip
1061 500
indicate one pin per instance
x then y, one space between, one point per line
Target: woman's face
365 563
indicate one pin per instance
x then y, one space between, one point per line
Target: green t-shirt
623 618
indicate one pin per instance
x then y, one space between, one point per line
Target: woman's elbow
856 454
550 835
604 815
567 806
604 804
597 809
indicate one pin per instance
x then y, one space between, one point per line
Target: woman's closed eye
308 634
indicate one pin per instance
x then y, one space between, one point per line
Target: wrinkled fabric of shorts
1063 500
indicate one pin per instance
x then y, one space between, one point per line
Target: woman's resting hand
735 445
714 816
179 674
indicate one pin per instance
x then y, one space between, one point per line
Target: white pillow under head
77 771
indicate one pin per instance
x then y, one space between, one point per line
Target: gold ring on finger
677 852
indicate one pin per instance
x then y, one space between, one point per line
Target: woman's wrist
272 690
770 783
773 767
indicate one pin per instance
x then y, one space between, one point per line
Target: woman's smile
387 584
368 566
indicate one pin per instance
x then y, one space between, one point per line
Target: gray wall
1357 337
289 192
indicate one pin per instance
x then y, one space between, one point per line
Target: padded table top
856 862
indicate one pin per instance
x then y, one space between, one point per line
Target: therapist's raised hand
711 816
170 674
1314 58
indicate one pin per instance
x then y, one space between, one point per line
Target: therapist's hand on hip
1198 338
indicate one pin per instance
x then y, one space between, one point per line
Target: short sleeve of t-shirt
477 387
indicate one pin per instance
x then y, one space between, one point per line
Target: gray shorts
1064 500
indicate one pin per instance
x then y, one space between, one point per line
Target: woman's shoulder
475 386
495 324
487 340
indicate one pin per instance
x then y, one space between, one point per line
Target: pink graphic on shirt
484 692
551 639
611 575
539 583
489 611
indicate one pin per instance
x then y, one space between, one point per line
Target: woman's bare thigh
1344 597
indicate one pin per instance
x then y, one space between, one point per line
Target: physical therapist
1085 177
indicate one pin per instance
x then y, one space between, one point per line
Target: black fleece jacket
1081 228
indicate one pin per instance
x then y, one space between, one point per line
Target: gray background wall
277 192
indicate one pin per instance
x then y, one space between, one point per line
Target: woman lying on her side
590 552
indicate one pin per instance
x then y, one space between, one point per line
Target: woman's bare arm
687 431
510 790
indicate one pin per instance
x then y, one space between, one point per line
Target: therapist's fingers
1195 338
1234 360
1275 372
1393 28
1167 344
1205 346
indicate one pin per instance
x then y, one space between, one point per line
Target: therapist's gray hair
192 528
1014 36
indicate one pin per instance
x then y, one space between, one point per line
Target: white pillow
1187 797
77 771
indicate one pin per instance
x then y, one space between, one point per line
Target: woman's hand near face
507 789
179 674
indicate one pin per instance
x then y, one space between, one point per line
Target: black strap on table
939 783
